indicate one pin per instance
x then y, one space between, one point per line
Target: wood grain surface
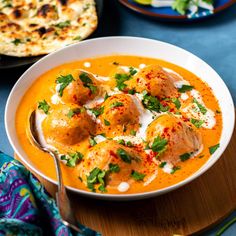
185 211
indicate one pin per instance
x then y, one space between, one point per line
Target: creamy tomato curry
121 124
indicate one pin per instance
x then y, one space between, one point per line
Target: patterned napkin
25 206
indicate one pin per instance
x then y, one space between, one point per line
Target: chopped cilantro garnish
121 141
151 102
185 88
102 188
116 104
87 82
120 79
93 88
132 71
185 156
197 123
114 168
133 132
74 158
96 176
64 81
132 91
85 78
64 24
124 155
180 6
16 41
159 145
137 175
92 141
43 105
174 169
106 122
162 164
129 144
97 111
177 103
73 112
106 96
212 149
164 108
202 109
77 38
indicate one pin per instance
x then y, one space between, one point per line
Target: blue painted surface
169 12
213 40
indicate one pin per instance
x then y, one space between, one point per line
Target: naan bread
35 27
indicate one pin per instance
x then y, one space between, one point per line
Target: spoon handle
62 199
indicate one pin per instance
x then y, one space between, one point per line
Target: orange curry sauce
44 88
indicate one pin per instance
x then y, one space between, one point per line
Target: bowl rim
134 196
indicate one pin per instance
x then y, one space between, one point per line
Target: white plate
129 46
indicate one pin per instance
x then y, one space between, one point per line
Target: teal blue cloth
25 206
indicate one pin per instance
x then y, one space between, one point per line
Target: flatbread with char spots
36 27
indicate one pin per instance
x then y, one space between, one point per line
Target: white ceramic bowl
130 46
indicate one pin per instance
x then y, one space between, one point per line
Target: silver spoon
62 200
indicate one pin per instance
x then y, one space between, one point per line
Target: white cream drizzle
193 111
123 187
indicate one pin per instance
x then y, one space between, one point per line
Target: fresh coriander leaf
64 24
121 141
164 108
132 71
133 132
137 175
63 157
116 104
177 103
74 158
174 169
64 81
124 155
43 105
101 177
102 188
85 78
159 145
73 112
185 156
151 103
120 79
185 88
202 109
97 111
212 149
132 91
162 164
129 144
197 123
106 96
77 38
93 88
92 141
106 122
114 168
16 41
181 6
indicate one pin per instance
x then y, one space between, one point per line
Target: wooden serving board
188 210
